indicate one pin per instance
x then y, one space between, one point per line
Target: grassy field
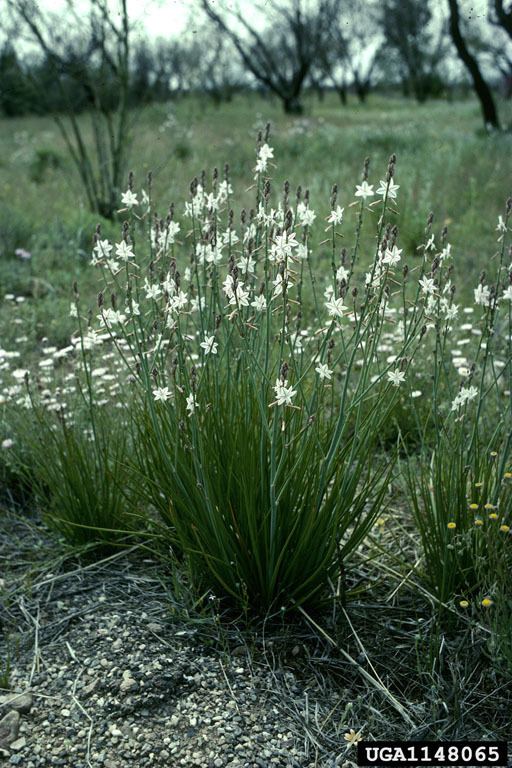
354 457
446 164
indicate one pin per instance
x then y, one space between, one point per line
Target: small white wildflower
209 345
501 227
246 265
507 294
482 295
392 256
305 215
7 443
341 274
427 285
464 396
161 394
336 217
284 394
391 190
191 404
265 154
396 377
259 303
324 371
129 199
124 251
102 248
335 307
153 291
364 190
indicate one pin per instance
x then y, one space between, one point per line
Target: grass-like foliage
249 378
260 406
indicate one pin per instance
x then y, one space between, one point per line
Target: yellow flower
493 516
494 454
505 528
473 506
487 602
478 485
479 521
488 505
463 603
508 475
352 736
452 525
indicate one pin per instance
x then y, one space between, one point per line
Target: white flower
391 190
162 394
209 345
392 257
259 303
191 403
507 294
73 311
129 198
282 247
427 285
124 251
341 274
246 265
265 154
464 396
240 296
113 265
502 227
177 302
336 217
102 248
396 377
445 253
482 295
335 307
197 303
324 371
169 285
430 246
364 190
284 394
7 443
110 317
152 291
305 215
133 308
302 251
229 237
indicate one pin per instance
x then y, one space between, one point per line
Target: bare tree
281 56
364 43
470 61
501 16
98 62
413 45
213 66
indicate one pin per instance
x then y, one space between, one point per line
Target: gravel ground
110 677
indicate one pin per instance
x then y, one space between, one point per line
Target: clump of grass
459 490
260 405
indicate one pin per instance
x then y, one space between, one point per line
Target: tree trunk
482 90
292 106
342 93
362 92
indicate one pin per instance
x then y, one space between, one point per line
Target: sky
167 18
